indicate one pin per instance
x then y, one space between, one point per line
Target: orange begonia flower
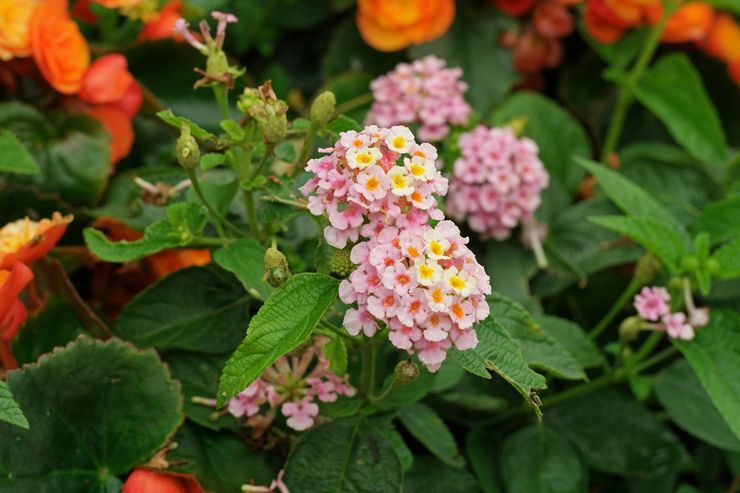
607 20
118 4
14 19
514 7
12 311
169 261
161 25
107 80
723 39
734 70
146 481
118 125
60 51
390 25
691 22
25 240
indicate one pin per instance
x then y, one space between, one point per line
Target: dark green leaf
483 459
336 352
282 323
427 427
14 157
10 412
431 476
245 258
384 425
54 325
572 338
719 219
728 257
157 237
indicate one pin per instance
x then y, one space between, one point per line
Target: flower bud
646 268
406 372
340 263
323 108
630 327
187 150
690 263
276 266
275 127
712 266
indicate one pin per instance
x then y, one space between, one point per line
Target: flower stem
220 220
222 99
624 298
367 382
628 86
305 150
354 103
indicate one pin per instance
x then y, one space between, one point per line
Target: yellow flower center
457 283
399 181
398 141
364 158
372 184
436 248
13 236
417 169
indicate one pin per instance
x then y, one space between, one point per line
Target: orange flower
607 20
107 80
12 311
734 70
118 125
60 51
723 40
146 481
390 25
691 22
160 26
14 18
514 7
25 240
118 4
169 261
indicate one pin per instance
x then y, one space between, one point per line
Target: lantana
422 282
497 181
293 384
652 305
423 92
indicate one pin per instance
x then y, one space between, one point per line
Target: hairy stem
220 220
624 298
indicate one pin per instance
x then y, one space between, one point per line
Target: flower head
14 37
12 311
25 240
652 303
677 327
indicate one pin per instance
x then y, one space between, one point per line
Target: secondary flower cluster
497 181
423 91
652 304
422 282
372 179
293 383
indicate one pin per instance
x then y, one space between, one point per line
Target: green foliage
14 157
10 411
719 219
244 258
571 337
426 426
431 476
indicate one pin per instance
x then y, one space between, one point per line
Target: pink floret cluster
497 181
652 305
423 92
293 384
420 281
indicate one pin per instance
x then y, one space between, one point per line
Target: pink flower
652 303
248 402
300 414
676 326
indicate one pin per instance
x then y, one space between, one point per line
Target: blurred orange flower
691 22
14 19
12 311
118 124
161 25
723 39
390 25
107 80
60 51
169 261
607 20
514 7
118 4
146 481
25 240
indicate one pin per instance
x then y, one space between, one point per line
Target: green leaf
719 219
681 394
222 462
427 427
408 394
541 461
86 405
728 257
345 455
14 157
559 136
428 475
482 454
336 352
573 338
281 324
652 235
55 324
196 131
157 237
343 123
384 425
673 91
733 5
714 355
200 309
539 349
286 151
10 411
499 352
211 160
617 435
245 258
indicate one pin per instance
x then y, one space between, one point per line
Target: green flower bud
187 150
323 108
276 266
340 263
647 267
712 266
275 127
630 328
690 263
406 372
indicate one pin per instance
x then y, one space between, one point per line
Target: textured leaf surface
158 237
572 337
728 257
427 427
14 157
431 476
10 412
281 324
245 258
719 219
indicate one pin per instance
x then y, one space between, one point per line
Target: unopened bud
340 263
646 268
630 327
690 263
275 128
323 108
276 266
712 266
406 372
187 150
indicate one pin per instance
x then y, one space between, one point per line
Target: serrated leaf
10 411
384 425
157 237
652 235
499 352
537 460
281 324
426 426
539 349
196 131
728 257
714 355
200 309
345 455
245 259
719 219
79 437
14 157
343 123
336 352
688 405
573 338
673 91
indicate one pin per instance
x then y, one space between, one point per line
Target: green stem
628 86
654 360
624 298
220 220
243 170
367 382
222 99
644 350
305 150
392 388
572 392
354 103
207 241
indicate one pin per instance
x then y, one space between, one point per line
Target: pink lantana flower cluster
371 179
421 282
293 384
652 305
497 181
423 92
